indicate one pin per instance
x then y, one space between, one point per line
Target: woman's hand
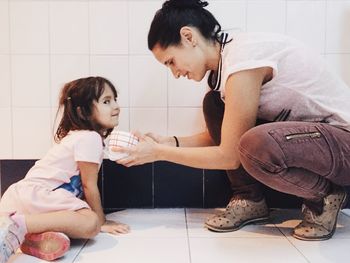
162 139
114 227
144 152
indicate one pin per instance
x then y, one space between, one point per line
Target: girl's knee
90 225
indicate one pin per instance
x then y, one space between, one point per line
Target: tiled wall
45 43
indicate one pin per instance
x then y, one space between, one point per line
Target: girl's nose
116 105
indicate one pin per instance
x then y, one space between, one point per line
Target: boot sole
256 221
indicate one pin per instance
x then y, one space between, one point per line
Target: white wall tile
186 121
54 121
306 21
30 81
266 16
148 82
124 116
185 93
5 80
6 133
4 28
109 27
148 120
230 14
69 25
341 64
65 68
29 27
338 24
141 14
31 132
116 69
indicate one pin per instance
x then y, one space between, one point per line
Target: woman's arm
242 95
89 177
196 140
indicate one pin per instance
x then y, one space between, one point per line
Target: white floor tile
107 248
346 211
228 250
333 250
197 217
152 222
176 235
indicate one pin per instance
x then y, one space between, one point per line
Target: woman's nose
175 72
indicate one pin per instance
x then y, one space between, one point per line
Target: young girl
40 211
304 150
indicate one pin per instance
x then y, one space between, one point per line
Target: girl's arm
242 95
89 176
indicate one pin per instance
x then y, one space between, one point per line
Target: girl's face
185 60
106 111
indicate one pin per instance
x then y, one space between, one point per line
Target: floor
178 236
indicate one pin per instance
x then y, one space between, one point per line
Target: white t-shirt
60 164
301 80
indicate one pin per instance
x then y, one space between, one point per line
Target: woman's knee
258 150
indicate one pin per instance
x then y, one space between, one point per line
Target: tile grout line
76 256
188 238
291 243
11 58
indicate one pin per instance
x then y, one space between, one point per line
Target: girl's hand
114 228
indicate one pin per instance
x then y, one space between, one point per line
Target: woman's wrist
169 141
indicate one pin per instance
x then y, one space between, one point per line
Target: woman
304 150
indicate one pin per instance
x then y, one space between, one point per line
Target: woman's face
184 60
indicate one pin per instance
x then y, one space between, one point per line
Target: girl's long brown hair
76 101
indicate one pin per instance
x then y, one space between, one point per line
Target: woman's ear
187 36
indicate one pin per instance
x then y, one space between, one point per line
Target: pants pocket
305 147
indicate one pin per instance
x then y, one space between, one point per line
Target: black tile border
13 171
177 186
127 187
156 185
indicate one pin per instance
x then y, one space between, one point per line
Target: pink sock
22 227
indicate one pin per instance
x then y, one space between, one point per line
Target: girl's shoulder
82 135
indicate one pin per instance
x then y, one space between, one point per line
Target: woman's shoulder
257 42
258 36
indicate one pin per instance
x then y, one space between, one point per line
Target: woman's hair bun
185 4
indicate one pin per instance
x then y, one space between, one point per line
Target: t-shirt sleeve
252 64
89 148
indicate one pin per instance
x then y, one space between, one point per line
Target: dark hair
174 14
76 100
